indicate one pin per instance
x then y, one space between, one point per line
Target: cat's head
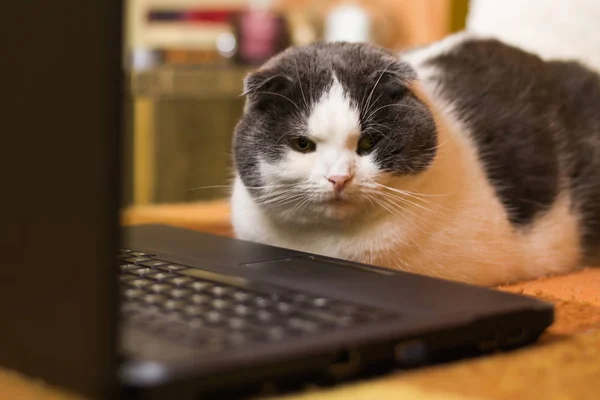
325 125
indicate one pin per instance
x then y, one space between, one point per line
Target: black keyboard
201 309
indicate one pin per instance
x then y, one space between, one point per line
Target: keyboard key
221 304
174 330
325 317
133 293
160 276
213 345
276 333
214 317
154 298
196 323
299 297
179 293
125 278
141 271
237 323
278 297
180 280
284 307
302 324
220 290
160 287
264 316
200 299
262 302
140 282
171 267
139 254
346 320
194 311
174 305
237 338
153 263
242 310
343 308
198 285
129 267
320 302
241 296
152 309
135 260
131 307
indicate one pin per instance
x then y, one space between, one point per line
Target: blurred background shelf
184 120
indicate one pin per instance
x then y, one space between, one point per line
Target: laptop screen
62 82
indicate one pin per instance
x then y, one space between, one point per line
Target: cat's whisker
231 187
432 209
367 103
210 187
371 123
394 207
389 105
300 84
438 146
410 203
403 197
283 96
274 195
278 201
408 192
373 104
378 131
302 205
398 204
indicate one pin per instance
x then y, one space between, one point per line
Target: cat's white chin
337 209
317 213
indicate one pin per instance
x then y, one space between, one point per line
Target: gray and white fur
468 159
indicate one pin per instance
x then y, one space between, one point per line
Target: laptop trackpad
336 277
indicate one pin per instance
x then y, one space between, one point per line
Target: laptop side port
348 363
516 339
488 345
411 353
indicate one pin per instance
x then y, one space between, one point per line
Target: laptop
160 312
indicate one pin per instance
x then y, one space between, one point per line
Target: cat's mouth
337 198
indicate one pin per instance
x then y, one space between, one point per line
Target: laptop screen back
61 123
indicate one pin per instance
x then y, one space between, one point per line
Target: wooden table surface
564 364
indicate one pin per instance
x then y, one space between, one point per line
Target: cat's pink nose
339 181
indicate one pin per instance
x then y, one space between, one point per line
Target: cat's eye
365 145
302 144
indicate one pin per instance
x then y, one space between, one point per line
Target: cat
469 159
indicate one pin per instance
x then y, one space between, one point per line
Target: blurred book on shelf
205 32
248 32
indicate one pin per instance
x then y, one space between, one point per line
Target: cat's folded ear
266 80
398 71
395 79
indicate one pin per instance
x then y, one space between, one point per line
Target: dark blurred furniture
182 121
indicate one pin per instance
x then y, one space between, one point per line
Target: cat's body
484 169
